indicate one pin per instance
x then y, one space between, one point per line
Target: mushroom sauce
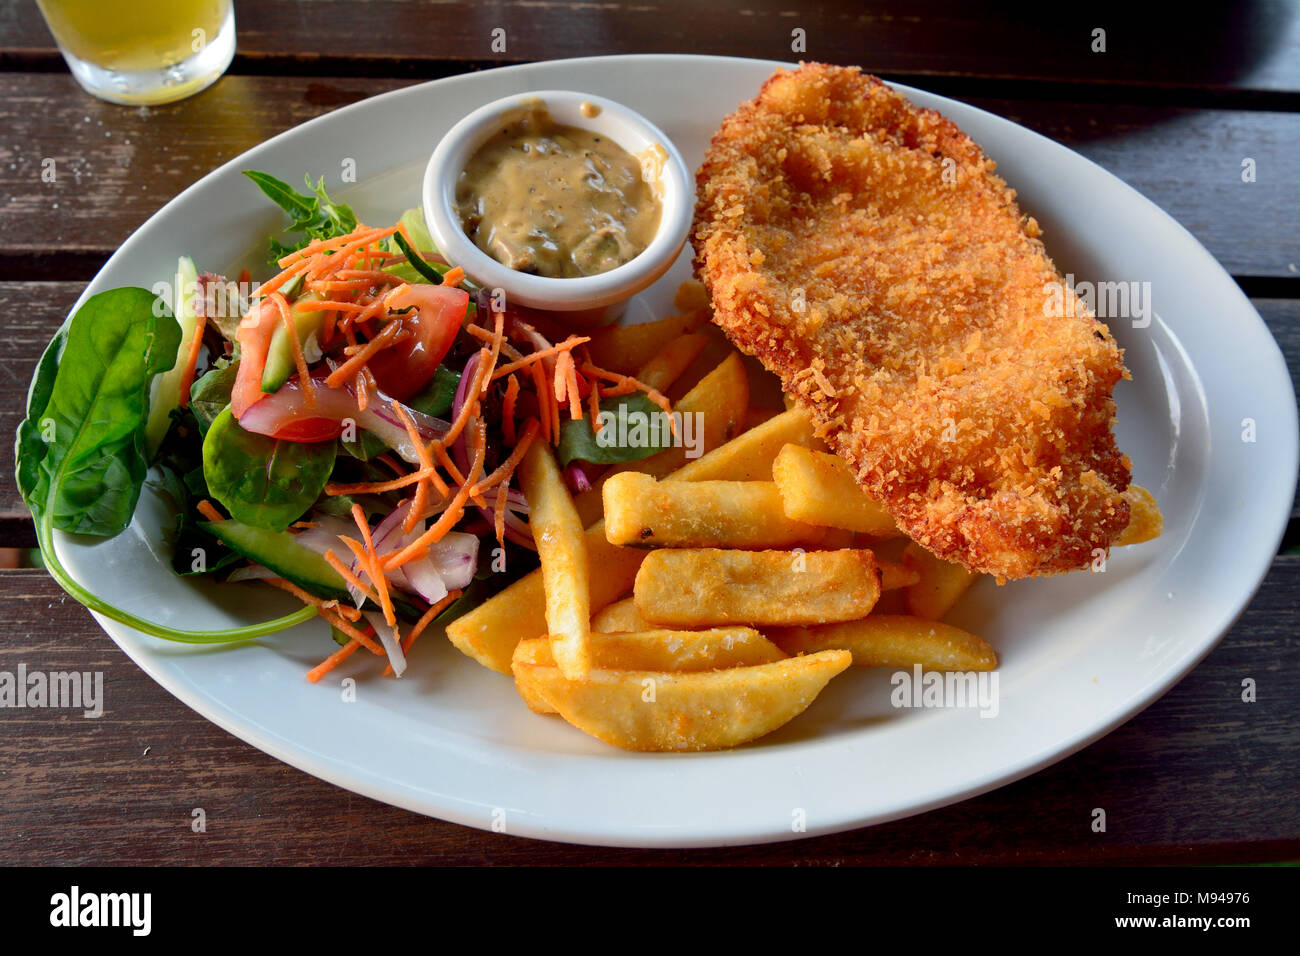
555 200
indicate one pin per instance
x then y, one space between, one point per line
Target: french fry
894 575
691 296
490 631
819 488
941 583
562 551
644 513
619 617
749 456
708 710
706 587
625 348
535 650
888 640
717 349
673 359
652 650
1144 519
756 416
720 400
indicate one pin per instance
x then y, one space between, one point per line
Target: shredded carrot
192 357
347 574
573 341
320 305
420 546
377 577
342 257
333 661
624 381
543 401
380 487
426 463
454 277
593 406
208 510
362 390
353 365
507 467
427 618
299 360
351 613
499 516
574 389
470 408
508 410
453 472
498 339
364 637
273 284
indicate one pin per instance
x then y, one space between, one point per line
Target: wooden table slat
1249 46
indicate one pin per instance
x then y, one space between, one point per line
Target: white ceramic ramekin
589 299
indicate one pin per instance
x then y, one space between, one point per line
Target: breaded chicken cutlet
866 252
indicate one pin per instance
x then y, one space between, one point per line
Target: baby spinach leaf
81 449
634 428
263 481
210 395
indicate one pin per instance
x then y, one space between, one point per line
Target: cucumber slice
279 551
166 391
286 557
279 360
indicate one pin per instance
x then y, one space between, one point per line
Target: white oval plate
1081 654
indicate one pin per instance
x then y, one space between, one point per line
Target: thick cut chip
893 640
643 513
941 583
709 710
652 650
818 488
562 549
705 587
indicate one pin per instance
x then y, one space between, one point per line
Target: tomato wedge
290 415
254 338
437 313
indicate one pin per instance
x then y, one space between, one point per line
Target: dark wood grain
1198 777
116 167
1243 47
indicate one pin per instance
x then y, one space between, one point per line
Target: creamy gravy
555 200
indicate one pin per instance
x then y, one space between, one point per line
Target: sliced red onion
388 637
423 578
576 478
326 533
253 572
459 451
455 558
268 414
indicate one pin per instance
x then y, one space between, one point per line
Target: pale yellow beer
143 51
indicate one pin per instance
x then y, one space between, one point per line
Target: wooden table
1172 106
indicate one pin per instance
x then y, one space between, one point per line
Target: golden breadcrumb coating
865 251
